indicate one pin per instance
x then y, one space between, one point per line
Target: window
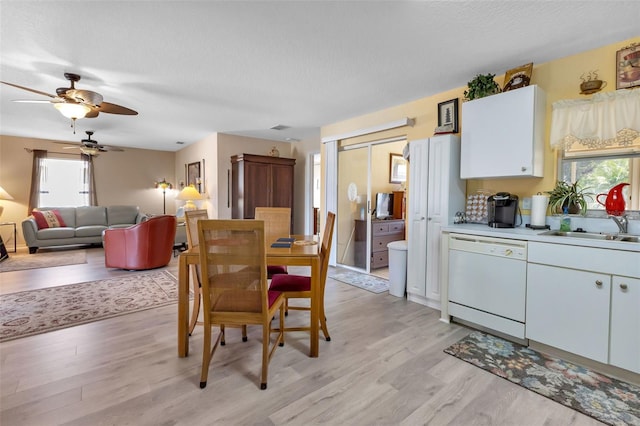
63 183
599 139
599 174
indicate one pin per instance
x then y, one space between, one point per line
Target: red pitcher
614 204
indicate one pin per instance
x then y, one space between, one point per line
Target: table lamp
4 195
188 194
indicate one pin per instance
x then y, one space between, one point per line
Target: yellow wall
560 79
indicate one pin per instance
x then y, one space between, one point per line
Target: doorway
364 171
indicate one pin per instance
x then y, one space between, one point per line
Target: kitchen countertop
523 233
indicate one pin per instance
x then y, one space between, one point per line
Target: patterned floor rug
367 282
38 311
604 398
19 262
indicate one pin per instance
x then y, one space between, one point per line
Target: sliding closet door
353 203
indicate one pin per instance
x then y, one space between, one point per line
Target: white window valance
607 122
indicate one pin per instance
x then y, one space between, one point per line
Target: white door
625 323
417 217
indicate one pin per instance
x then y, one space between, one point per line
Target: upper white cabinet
503 135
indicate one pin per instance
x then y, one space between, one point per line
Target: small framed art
397 168
448 116
628 67
517 77
193 175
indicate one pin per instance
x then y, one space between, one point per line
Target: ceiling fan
76 103
91 147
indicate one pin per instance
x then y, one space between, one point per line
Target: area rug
38 311
604 398
367 282
19 262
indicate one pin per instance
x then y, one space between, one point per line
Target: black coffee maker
502 210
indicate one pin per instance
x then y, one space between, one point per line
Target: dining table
303 251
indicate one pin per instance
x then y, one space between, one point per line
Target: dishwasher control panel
513 249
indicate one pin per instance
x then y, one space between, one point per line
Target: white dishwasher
488 282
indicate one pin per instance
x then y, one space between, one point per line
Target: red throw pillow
48 219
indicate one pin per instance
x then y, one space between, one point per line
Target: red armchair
146 245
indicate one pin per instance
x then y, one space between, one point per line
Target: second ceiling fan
90 146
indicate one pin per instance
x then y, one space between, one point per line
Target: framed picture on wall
193 175
397 168
628 67
448 117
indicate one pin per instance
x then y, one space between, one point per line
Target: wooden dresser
382 233
260 181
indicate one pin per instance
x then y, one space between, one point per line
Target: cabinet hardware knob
523 168
598 283
623 286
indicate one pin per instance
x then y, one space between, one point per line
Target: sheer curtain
90 179
39 155
608 122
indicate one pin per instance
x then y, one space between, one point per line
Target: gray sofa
84 225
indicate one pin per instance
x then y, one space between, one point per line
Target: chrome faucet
622 222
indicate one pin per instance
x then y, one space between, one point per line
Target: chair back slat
277 222
233 264
191 220
325 248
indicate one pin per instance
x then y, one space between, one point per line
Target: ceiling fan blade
115 109
70 147
28 89
111 148
31 101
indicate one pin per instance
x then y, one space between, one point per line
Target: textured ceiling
192 68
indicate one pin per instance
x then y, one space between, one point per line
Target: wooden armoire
260 181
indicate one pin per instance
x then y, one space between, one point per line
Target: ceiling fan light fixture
89 151
71 110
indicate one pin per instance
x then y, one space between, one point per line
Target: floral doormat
367 282
38 311
604 398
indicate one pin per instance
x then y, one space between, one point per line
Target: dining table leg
183 307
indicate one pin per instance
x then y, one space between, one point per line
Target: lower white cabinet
577 301
569 309
625 323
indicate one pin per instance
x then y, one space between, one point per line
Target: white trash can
397 267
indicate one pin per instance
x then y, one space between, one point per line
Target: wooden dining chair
191 221
277 223
234 286
299 286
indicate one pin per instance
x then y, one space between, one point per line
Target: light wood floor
383 366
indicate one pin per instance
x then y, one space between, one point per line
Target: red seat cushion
273 295
276 269
290 283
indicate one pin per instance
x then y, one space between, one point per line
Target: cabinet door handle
523 168
623 287
598 283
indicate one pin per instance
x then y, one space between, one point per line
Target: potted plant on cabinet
481 86
569 195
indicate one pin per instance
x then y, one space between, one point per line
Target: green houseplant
569 195
482 85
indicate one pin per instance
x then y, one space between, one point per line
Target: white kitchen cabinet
503 135
569 309
624 351
436 192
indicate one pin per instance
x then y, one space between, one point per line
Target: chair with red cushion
277 223
299 287
191 221
147 245
235 291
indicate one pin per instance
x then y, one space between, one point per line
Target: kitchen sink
594 236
